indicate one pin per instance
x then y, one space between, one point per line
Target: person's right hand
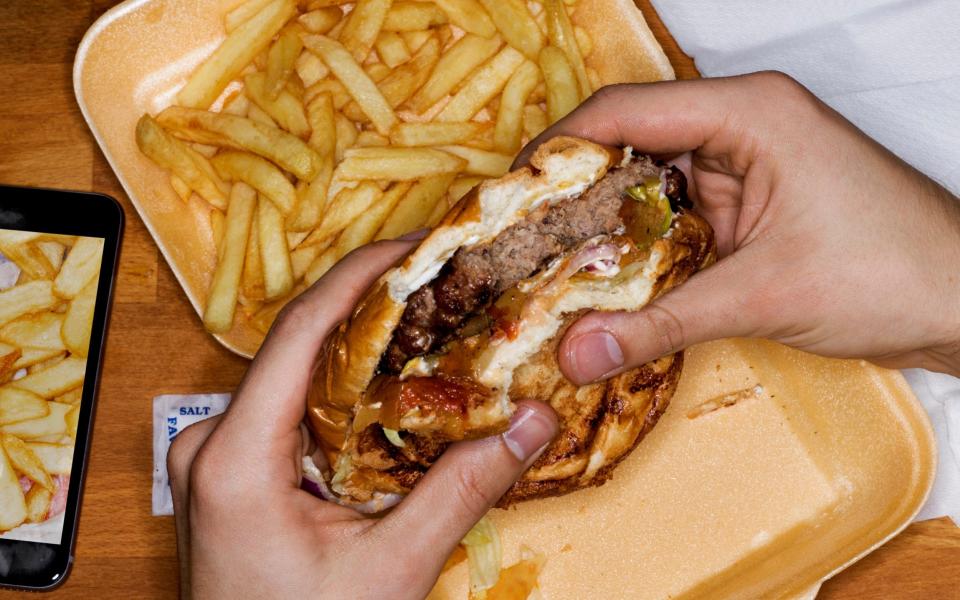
828 242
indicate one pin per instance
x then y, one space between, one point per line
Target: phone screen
57 252
48 293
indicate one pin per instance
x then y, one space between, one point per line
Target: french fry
392 49
18 405
241 46
41 330
517 26
415 39
9 355
439 210
482 86
312 200
377 71
316 4
13 507
38 501
285 109
175 156
295 237
321 20
70 397
274 255
328 86
371 138
509 129
258 115
481 162
584 42
461 185
406 79
65 375
33 356
534 121
281 60
258 174
26 298
20 248
347 206
237 105
363 26
397 164
562 91
413 210
319 266
561 34
25 461
242 13
46 364
81 266
363 229
182 189
264 318
301 258
413 16
403 81
446 34
311 69
222 298
435 133
73 420
252 268
79 320
204 150
53 424
57 459
346 136
364 92
216 229
469 16
454 66
239 133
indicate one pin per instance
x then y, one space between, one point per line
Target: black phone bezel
72 213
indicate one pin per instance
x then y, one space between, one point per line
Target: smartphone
58 254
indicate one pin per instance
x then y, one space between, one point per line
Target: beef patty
473 278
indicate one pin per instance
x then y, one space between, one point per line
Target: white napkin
889 66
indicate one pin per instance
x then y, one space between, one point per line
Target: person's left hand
246 529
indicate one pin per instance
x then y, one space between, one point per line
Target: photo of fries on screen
319 126
48 290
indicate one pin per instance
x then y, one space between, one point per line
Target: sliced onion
312 481
591 256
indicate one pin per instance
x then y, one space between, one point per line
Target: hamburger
442 346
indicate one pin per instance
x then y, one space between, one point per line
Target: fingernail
419 234
594 355
529 431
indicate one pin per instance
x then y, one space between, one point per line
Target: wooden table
156 343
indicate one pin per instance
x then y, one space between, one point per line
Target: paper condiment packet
172 413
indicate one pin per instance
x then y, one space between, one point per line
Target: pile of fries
46 313
321 125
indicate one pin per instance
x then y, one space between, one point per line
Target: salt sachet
172 413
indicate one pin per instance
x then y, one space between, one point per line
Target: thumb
465 483
715 303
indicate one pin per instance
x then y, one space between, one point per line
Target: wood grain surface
156 344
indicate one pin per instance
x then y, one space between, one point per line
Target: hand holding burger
827 241
245 529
